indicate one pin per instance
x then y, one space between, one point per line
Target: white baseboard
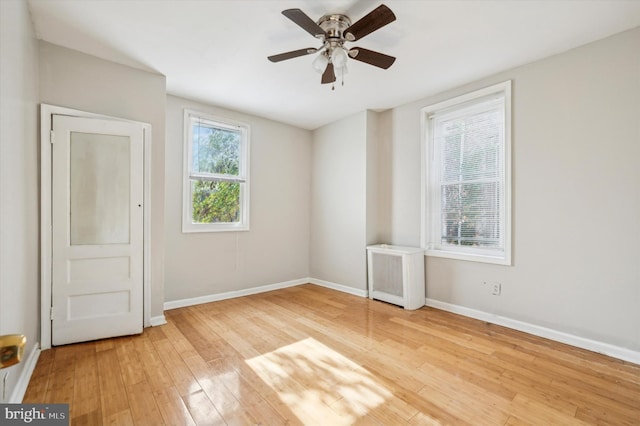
339 287
156 321
548 333
25 375
173 304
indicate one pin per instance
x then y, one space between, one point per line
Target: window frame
187 175
430 182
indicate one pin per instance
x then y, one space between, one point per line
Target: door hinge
52 136
51 314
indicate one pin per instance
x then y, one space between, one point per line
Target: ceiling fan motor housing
334 25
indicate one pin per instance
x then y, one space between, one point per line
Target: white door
97 235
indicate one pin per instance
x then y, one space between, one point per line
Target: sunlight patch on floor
319 384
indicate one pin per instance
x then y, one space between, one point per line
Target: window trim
187 224
427 148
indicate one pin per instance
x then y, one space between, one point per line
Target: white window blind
470 185
466 200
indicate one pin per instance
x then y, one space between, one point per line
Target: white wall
72 79
339 202
19 264
275 249
576 190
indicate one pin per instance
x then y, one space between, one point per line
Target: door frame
46 126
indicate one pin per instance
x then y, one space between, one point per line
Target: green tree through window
215 152
216 177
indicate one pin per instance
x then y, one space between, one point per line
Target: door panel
100 161
97 229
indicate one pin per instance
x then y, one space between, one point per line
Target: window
467 176
216 174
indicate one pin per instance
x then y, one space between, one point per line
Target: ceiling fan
335 30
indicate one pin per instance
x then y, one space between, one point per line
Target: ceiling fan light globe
320 63
338 57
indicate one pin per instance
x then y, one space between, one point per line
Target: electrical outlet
496 289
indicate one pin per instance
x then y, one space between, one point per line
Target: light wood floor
309 355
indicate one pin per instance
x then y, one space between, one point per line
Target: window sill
196 229
472 257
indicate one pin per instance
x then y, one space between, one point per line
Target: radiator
396 275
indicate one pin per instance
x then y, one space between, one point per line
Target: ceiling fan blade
292 54
329 76
303 21
376 19
372 58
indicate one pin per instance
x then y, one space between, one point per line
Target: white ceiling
215 51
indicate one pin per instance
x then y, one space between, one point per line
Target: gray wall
576 207
372 182
275 249
75 80
19 196
339 202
